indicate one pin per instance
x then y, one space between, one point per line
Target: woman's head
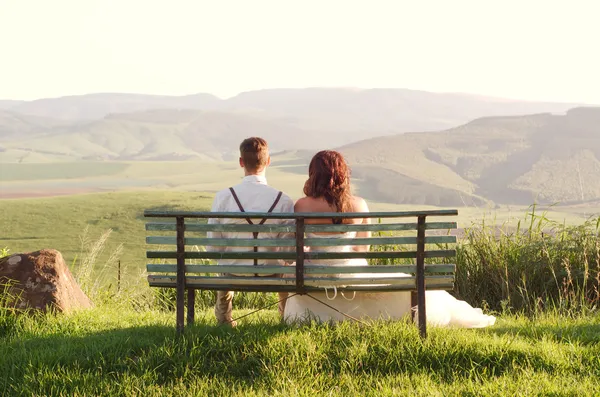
329 178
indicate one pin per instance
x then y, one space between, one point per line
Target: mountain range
405 146
509 160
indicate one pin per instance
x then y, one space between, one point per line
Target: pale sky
523 49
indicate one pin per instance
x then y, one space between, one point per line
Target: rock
41 280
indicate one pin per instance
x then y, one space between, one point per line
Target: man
251 195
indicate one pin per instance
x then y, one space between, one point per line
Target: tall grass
532 266
528 267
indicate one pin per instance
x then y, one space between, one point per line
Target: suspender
254 234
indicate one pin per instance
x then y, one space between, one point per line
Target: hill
150 127
358 114
97 106
167 134
383 111
495 160
7 104
506 160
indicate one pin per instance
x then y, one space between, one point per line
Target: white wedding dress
442 309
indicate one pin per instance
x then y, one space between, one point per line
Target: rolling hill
166 134
382 111
7 104
97 106
506 160
545 156
355 113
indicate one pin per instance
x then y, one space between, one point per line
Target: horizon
532 51
347 88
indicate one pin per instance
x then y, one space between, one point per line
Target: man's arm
216 207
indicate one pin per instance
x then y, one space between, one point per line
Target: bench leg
413 304
180 309
422 313
421 276
180 274
191 296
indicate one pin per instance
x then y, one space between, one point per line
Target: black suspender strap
254 234
237 201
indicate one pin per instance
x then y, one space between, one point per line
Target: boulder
40 280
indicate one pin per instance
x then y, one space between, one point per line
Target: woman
328 190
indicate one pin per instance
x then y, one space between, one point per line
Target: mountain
549 155
97 106
7 104
506 160
360 114
166 134
382 111
17 126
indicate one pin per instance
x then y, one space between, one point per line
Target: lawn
67 223
114 350
126 345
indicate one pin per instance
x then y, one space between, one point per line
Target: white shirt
255 196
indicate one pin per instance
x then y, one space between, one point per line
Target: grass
111 350
60 222
70 222
538 264
32 171
502 261
546 340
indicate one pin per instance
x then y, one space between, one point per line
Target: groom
253 194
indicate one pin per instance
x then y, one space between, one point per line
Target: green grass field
72 223
126 345
114 351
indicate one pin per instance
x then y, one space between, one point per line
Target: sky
525 49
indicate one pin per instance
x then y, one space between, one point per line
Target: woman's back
320 205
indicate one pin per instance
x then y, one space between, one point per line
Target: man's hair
255 153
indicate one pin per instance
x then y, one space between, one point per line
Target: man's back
254 195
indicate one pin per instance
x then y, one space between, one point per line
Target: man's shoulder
222 193
286 200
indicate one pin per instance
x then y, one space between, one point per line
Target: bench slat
326 241
308 281
222 255
291 289
308 269
232 227
292 215
267 228
224 242
378 227
312 255
292 255
314 242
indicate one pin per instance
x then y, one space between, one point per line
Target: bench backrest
183 231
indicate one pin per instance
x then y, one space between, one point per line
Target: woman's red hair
329 178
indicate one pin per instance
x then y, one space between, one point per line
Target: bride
328 190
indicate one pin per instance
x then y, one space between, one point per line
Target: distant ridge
488 151
509 160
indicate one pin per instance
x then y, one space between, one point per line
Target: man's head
254 155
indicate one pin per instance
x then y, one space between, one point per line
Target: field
542 286
71 223
112 350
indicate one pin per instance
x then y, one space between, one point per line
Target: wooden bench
184 230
